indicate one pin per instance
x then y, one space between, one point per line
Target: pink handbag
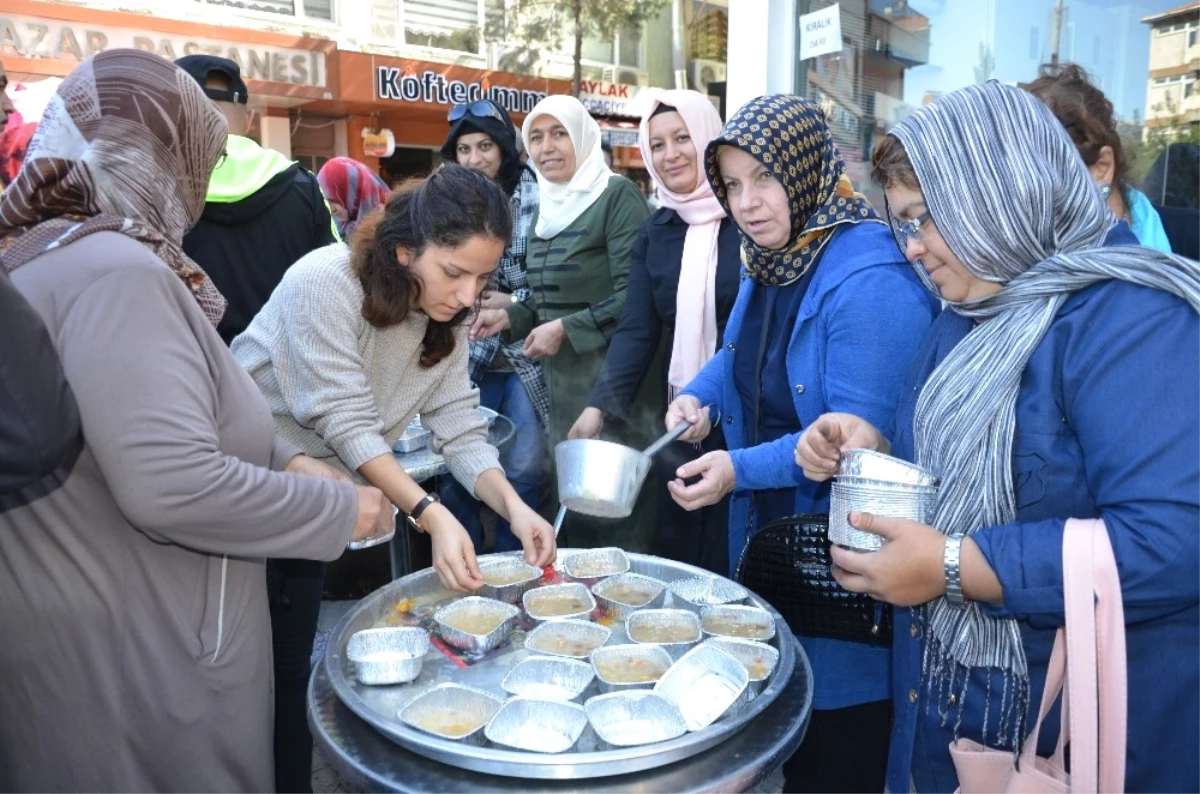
1091 648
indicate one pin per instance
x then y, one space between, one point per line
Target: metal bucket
599 478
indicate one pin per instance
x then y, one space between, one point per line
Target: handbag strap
1095 644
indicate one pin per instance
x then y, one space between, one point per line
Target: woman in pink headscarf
683 281
352 190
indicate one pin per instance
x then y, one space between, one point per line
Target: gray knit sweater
342 390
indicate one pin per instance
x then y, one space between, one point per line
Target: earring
1105 189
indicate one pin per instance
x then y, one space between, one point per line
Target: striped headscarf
789 136
126 144
354 186
1016 205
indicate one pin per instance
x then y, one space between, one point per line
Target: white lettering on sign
433 88
32 37
821 32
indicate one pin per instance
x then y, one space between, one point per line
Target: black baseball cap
201 66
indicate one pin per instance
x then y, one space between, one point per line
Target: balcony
900 33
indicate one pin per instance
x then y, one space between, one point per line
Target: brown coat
136 655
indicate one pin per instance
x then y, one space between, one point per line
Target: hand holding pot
686 408
819 448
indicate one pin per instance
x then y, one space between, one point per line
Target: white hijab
561 204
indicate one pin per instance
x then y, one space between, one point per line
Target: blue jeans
522 461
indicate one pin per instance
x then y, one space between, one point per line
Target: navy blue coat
1107 426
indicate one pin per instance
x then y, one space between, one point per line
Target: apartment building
1173 85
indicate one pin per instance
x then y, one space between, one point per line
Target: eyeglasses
904 231
221 160
481 109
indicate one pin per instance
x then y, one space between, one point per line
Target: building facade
1173 85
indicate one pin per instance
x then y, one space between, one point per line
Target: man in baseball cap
264 212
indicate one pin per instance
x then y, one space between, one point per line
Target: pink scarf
695 298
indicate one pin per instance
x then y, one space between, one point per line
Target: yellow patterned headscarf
789 136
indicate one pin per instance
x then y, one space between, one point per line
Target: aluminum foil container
506 568
737 620
367 543
537 726
703 685
758 658
452 711
877 466
650 619
548 678
530 600
626 719
652 657
705 591
912 502
596 563
575 639
387 656
618 604
414 437
467 641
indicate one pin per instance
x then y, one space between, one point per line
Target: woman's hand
311 467
488 322
496 299
819 449
588 425
717 478
453 552
375 515
535 533
687 408
545 340
909 569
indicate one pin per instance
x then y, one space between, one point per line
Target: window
596 50
1178 28
1189 88
1160 80
444 24
1191 38
309 9
630 48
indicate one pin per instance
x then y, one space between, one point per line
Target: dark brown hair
890 165
447 209
1084 111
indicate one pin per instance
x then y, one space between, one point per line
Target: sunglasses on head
481 109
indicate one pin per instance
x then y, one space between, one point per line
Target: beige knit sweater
342 390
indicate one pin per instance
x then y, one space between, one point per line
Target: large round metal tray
423 593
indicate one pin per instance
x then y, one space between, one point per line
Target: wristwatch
953 570
414 515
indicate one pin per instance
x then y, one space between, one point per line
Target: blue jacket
860 324
1108 426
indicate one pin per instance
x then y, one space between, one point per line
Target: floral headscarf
789 136
126 144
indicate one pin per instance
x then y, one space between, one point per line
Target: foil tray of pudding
550 662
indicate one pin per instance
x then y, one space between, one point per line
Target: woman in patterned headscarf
827 320
132 597
352 191
1063 384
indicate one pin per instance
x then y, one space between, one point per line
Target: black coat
40 436
649 316
648 321
246 246
1182 225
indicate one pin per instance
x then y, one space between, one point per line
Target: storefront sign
33 37
821 32
611 99
433 88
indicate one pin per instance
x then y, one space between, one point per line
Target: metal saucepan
600 478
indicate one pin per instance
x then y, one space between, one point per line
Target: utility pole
1058 17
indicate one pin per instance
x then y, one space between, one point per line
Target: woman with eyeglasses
827 319
482 137
683 281
1062 383
578 271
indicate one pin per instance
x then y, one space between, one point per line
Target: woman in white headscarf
578 267
683 282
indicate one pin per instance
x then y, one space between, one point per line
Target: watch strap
418 510
951 562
